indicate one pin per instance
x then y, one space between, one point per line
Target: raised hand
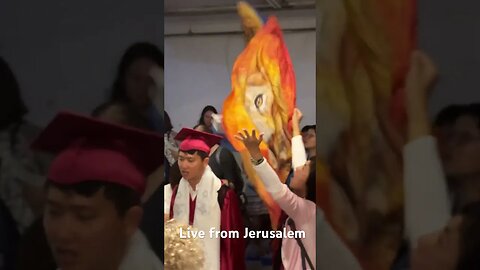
251 142
296 118
420 77
297 115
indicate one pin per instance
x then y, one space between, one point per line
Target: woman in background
136 81
206 118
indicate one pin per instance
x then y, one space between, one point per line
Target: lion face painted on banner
262 98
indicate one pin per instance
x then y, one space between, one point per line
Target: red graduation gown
232 251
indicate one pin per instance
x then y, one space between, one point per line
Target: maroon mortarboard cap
92 150
196 140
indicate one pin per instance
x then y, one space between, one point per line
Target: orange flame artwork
262 98
363 52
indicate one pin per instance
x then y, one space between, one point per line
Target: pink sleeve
294 206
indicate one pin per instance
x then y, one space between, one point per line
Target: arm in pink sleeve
294 206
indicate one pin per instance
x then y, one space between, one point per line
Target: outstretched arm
293 205
426 196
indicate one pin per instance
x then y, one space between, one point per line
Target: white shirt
139 255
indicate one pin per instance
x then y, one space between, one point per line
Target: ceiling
192 7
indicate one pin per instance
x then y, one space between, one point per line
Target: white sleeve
299 155
426 196
270 179
167 197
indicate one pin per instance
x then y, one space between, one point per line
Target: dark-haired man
202 200
93 193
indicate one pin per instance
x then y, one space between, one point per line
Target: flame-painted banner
363 52
262 97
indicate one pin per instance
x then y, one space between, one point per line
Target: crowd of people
441 195
86 191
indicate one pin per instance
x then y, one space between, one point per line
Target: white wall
449 33
64 53
198 68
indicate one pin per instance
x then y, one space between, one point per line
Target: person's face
460 147
439 250
208 118
309 139
191 166
87 233
139 83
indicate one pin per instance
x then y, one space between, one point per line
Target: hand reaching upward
251 142
296 119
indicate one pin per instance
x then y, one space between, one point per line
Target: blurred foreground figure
181 253
93 193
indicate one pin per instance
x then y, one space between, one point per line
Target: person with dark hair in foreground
123 113
204 201
94 191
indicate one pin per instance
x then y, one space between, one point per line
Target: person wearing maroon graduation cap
204 201
93 193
